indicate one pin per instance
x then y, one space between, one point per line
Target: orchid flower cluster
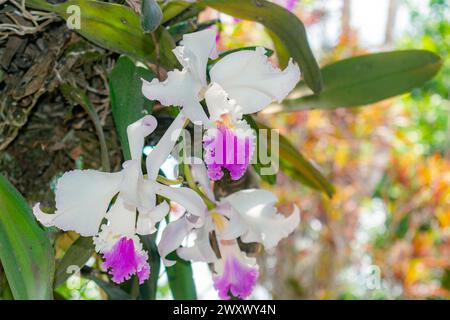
116 208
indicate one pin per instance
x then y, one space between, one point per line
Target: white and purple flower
242 82
84 197
247 214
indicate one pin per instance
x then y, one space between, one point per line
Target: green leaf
177 30
282 53
151 15
77 255
129 105
127 101
180 279
295 165
25 251
284 24
402 227
114 27
173 8
148 290
268 53
258 166
113 292
367 79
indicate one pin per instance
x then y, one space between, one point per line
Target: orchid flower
247 214
84 196
242 82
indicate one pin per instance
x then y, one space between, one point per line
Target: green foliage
429 105
370 78
115 27
294 164
127 102
25 251
77 255
129 105
180 279
113 292
171 9
284 24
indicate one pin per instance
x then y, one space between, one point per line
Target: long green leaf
295 165
148 290
127 102
180 279
113 292
284 24
367 79
173 8
77 255
128 105
25 251
114 27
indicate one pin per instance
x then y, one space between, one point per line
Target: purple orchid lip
237 280
124 261
226 149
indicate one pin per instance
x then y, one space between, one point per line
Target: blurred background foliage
385 234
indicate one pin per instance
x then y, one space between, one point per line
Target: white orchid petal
185 197
218 103
147 220
235 227
137 131
46 219
263 223
134 189
201 250
179 89
131 179
245 200
194 112
122 218
82 199
249 78
172 237
196 48
200 174
164 146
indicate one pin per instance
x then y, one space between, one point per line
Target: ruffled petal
255 209
121 222
164 146
82 199
249 78
172 237
228 148
236 274
195 50
124 260
147 220
137 131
